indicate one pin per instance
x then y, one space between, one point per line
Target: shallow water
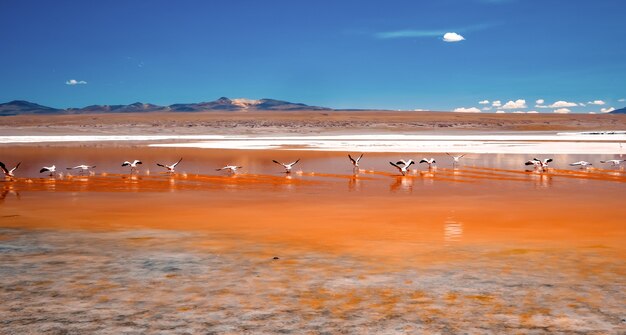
109 157
486 247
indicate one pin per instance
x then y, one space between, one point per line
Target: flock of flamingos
402 165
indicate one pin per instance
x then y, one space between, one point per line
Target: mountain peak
17 107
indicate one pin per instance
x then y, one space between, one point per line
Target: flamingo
133 165
403 168
231 168
287 167
613 162
50 169
455 158
582 164
170 168
537 163
430 162
356 161
9 173
82 168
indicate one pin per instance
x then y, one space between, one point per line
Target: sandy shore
303 123
485 247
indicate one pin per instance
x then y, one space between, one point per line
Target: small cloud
484 102
413 33
592 112
561 104
75 82
419 110
452 37
519 112
596 102
621 100
496 103
532 112
562 111
581 104
540 101
467 110
519 103
607 110
408 33
486 108
500 112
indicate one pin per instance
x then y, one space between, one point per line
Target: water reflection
9 190
49 183
542 179
172 183
354 183
402 183
133 181
289 182
428 176
452 231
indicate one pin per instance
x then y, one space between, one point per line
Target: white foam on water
513 147
562 143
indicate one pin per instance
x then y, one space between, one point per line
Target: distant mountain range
20 107
619 111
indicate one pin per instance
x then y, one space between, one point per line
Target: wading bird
403 166
287 167
133 165
455 159
356 161
403 162
582 164
231 168
430 162
170 168
50 169
537 163
82 168
613 162
9 173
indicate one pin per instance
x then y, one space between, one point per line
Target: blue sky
342 54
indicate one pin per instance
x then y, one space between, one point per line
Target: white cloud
419 110
452 37
607 110
519 103
75 82
621 100
581 104
597 102
541 106
412 33
592 112
467 110
532 112
496 103
486 108
562 111
519 112
561 104
539 101
500 112
484 102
